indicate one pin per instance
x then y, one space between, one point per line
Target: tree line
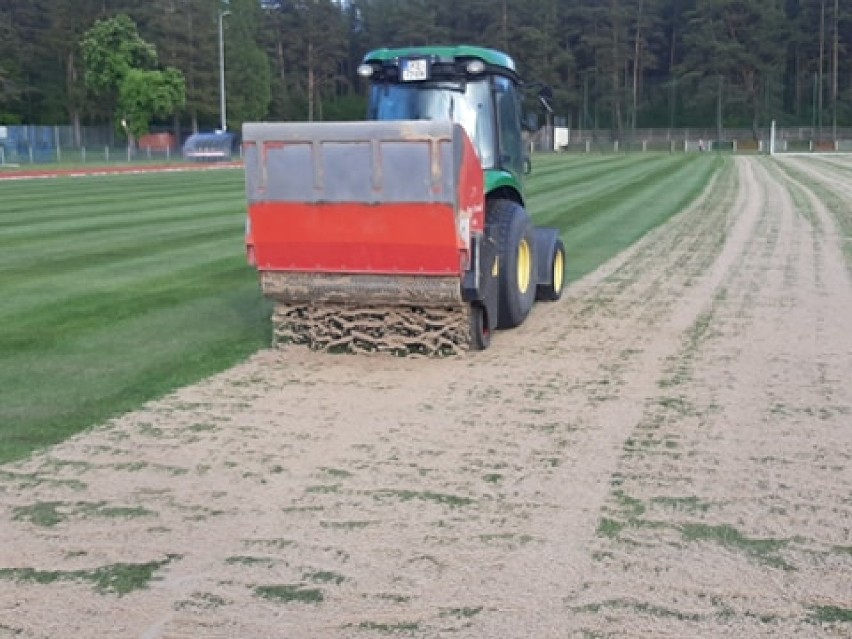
612 64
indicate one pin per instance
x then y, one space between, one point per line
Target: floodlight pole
223 123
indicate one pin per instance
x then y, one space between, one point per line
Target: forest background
612 64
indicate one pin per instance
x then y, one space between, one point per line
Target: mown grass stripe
601 191
573 172
666 189
58 198
162 214
621 205
47 326
74 207
111 250
81 197
70 224
53 287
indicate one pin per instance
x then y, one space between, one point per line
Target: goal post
772 138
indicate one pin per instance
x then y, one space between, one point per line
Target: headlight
475 67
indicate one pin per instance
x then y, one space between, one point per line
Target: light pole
223 124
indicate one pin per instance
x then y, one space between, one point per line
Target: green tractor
416 216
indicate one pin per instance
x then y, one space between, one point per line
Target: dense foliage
121 67
612 63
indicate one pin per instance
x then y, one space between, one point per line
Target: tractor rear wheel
511 228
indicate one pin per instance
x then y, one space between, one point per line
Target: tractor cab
475 87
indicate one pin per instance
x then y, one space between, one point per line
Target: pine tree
247 76
186 35
741 46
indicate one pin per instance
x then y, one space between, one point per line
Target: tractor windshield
467 104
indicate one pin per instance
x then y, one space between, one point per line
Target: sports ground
664 452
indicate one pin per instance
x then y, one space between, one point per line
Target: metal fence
787 139
31 144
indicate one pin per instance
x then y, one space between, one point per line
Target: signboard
4 133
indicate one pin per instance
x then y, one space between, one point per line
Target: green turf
117 289
604 203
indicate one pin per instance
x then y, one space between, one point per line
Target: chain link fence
22 145
787 139
31 144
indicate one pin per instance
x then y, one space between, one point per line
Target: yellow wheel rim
558 271
524 266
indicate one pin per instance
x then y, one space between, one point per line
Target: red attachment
472 187
471 194
294 229
410 238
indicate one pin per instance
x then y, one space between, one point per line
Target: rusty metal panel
371 162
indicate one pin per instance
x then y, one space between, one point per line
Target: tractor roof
491 57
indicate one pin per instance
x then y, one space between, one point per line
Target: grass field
118 289
604 203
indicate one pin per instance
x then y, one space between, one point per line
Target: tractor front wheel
551 289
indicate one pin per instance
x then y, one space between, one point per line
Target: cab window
509 124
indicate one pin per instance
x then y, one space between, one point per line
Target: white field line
107 172
812 154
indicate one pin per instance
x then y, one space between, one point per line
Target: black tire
510 227
552 289
480 333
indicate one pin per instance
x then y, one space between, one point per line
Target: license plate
415 70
